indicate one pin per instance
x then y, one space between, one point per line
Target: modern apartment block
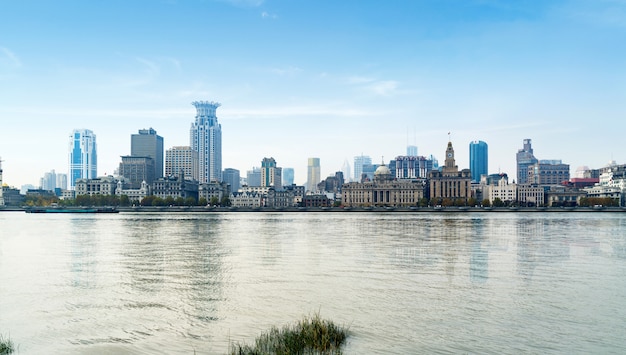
83 157
182 160
548 172
206 139
411 167
147 143
479 159
137 170
313 175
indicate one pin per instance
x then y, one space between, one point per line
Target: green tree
472 201
423 202
225 202
486 203
202 201
190 201
447 202
497 202
214 201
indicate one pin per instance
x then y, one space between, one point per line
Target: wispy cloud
269 16
244 3
288 71
375 86
11 57
297 111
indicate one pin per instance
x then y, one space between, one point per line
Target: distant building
134 195
359 162
214 189
345 169
206 139
137 169
411 150
1 186
313 174
412 167
48 181
147 143
524 159
104 185
62 181
288 176
10 196
271 175
231 177
83 156
450 183
479 159
175 186
332 183
246 199
383 190
254 176
547 172
182 159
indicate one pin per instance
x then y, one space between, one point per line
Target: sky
314 78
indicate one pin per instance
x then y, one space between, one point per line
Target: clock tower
450 166
450 183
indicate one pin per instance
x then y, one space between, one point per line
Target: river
403 283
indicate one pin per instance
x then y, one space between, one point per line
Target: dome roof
382 170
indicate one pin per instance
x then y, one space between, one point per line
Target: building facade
182 160
175 186
313 175
479 159
136 170
383 190
548 172
271 175
83 156
450 183
524 158
147 143
232 178
359 162
253 177
412 167
288 176
105 185
206 139
1 186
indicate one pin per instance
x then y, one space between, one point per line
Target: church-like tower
206 139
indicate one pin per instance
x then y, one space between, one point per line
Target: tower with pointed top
83 157
206 139
450 183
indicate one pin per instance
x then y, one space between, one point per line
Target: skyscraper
288 176
345 169
182 160
524 158
271 175
148 144
83 157
359 162
479 159
206 139
313 175
231 177
411 150
253 176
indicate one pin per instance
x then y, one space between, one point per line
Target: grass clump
311 335
6 345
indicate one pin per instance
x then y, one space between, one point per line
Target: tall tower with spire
206 139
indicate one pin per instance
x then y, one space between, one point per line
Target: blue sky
314 78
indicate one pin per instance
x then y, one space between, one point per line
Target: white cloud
383 88
10 57
244 3
288 71
267 15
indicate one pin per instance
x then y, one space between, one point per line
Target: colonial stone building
450 183
383 191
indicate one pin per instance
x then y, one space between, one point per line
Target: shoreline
413 209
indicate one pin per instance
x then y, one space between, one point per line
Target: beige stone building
450 183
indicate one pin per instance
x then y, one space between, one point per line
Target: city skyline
324 79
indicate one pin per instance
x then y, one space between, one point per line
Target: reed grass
6 345
311 335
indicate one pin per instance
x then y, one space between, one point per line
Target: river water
404 283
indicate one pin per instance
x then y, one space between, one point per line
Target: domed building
384 190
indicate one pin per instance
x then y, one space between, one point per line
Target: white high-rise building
181 160
83 157
345 169
206 139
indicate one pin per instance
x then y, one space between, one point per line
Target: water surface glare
404 283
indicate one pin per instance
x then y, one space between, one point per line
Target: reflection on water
403 282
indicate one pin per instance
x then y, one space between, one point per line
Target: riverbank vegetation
311 335
6 345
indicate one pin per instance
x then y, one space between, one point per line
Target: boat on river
59 209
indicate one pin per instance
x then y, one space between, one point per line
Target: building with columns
450 183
